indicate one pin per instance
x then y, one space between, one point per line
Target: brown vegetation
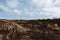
30 29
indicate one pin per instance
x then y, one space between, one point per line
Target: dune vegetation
45 29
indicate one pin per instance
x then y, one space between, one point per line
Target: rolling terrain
45 29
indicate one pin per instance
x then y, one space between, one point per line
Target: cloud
4 8
13 3
50 8
54 11
18 12
31 9
43 3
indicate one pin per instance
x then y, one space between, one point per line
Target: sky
29 9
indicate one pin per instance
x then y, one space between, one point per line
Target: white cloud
57 1
25 12
48 7
52 12
4 8
13 3
28 12
38 2
35 9
18 12
43 3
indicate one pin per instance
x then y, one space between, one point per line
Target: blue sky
29 9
